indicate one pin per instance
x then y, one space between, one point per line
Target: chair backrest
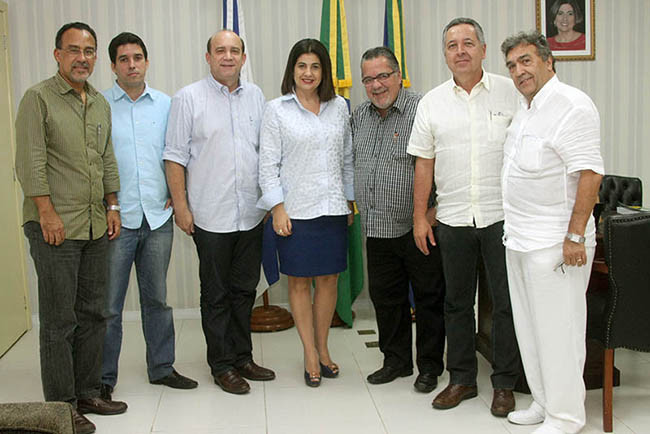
615 190
627 253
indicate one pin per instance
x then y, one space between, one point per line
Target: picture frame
569 27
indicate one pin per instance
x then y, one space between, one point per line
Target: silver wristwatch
575 238
113 208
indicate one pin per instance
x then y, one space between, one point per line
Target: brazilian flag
394 36
334 35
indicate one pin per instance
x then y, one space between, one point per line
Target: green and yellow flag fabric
334 35
394 36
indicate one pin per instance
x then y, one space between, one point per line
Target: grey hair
385 52
462 20
532 37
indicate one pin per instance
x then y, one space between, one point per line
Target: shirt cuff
417 151
176 157
271 198
348 190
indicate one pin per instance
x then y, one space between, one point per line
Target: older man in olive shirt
66 166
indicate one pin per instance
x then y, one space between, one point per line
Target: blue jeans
71 288
150 250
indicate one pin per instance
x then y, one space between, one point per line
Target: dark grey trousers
71 291
461 249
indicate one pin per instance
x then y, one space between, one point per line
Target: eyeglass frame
75 51
382 78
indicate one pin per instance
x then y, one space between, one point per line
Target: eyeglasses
75 51
382 78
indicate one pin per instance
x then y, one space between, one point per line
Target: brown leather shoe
253 371
453 395
100 406
81 423
503 402
231 382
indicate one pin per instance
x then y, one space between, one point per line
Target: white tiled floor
286 406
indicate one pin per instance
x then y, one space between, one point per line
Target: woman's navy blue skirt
315 247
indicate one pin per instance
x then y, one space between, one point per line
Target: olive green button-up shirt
64 150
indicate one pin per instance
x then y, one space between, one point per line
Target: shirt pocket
529 155
252 131
497 127
97 136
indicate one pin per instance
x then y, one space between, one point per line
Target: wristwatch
113 208
575 238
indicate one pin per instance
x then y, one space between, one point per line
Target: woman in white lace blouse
306 178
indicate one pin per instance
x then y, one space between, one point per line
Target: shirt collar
223 88
119 93
293 96
484 81
64 86
543 94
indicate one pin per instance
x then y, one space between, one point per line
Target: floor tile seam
155 413
372 398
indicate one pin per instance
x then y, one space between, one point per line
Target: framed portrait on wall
569 27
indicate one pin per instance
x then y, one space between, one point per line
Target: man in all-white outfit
552 170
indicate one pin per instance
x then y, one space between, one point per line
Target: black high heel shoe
312 379
329 371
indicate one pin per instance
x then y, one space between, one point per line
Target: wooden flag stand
270 318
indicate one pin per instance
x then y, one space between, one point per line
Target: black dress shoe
252 371
231 382
81 423
100 406
425 382
176 381
388 374
105 392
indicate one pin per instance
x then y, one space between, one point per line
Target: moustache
80 64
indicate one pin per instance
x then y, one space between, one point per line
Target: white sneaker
531 416
547 428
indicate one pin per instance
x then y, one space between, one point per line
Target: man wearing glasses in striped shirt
383 182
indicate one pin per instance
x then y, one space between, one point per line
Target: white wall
176 31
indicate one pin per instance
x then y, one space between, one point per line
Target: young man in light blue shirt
139 118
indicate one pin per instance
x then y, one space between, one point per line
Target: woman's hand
281 220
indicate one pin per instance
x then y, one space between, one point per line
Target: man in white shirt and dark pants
551 174
212 151
459 128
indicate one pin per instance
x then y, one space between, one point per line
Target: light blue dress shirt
306 159
214 134
138 134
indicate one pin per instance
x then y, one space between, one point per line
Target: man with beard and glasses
66 166
383 181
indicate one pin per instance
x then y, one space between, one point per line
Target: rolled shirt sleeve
270 157
348 160
31 153
578 141
111 173
422 140
179 129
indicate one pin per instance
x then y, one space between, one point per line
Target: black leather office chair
618 190
620 317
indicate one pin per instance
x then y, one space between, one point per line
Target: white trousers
549 310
